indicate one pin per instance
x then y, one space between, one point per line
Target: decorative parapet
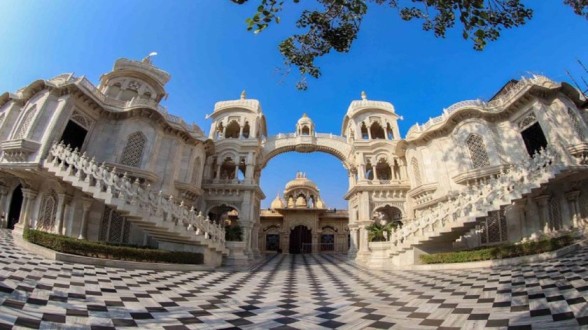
496 105
358 105
423 193
145 67
479 173
18 150
249 104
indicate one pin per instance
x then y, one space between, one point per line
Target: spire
243 95
363 95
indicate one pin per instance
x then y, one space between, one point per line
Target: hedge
499 252
86 248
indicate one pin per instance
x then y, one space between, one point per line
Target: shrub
499 252
107 251
234 233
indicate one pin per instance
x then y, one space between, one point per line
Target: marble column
86 204
574 207
520 207
59 214
3 213
542 202
26 210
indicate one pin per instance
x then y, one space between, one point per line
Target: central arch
320 142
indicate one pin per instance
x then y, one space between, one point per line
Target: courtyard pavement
290 291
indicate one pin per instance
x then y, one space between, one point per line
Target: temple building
301 222
109 163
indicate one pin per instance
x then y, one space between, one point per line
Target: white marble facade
133 173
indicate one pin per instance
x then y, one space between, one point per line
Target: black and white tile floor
288 292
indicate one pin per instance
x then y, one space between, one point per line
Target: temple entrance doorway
15 207
300 240
74 135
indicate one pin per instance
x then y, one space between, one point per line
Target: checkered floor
290 292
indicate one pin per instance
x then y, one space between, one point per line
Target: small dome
277 203
320 204
305 126
301 181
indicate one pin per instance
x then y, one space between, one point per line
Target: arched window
377 131
305 130
25 123
246 130
232 131
228 169
477 150
364 132
196 171
389 132
396 170
133 151
383 170
416 171
369 171
219 130
48 211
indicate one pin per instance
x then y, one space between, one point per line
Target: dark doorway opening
272 242
15 206
534 139
300 240
74 135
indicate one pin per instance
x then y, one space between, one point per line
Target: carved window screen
114 227
415 169
494 228
49 211
555 222
477 149
24 124
133 152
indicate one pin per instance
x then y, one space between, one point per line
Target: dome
304 126
301 182
305 120
320 204
277 203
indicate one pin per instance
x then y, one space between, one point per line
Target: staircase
455 217
158 215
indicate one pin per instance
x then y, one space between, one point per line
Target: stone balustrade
133 197
512 182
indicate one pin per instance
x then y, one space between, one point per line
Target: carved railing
137 102
140 198
496 105
515 180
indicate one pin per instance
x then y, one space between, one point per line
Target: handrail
147 203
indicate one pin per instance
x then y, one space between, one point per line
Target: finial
363 95
304 115
243 95
147 59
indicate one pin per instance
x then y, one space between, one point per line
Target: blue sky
204 45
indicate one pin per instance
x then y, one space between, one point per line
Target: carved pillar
3 213
59 214
574 207
520 208
26 210
361 172
66 216
353 246
86 204
543 212
363 238
403 171
375 172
